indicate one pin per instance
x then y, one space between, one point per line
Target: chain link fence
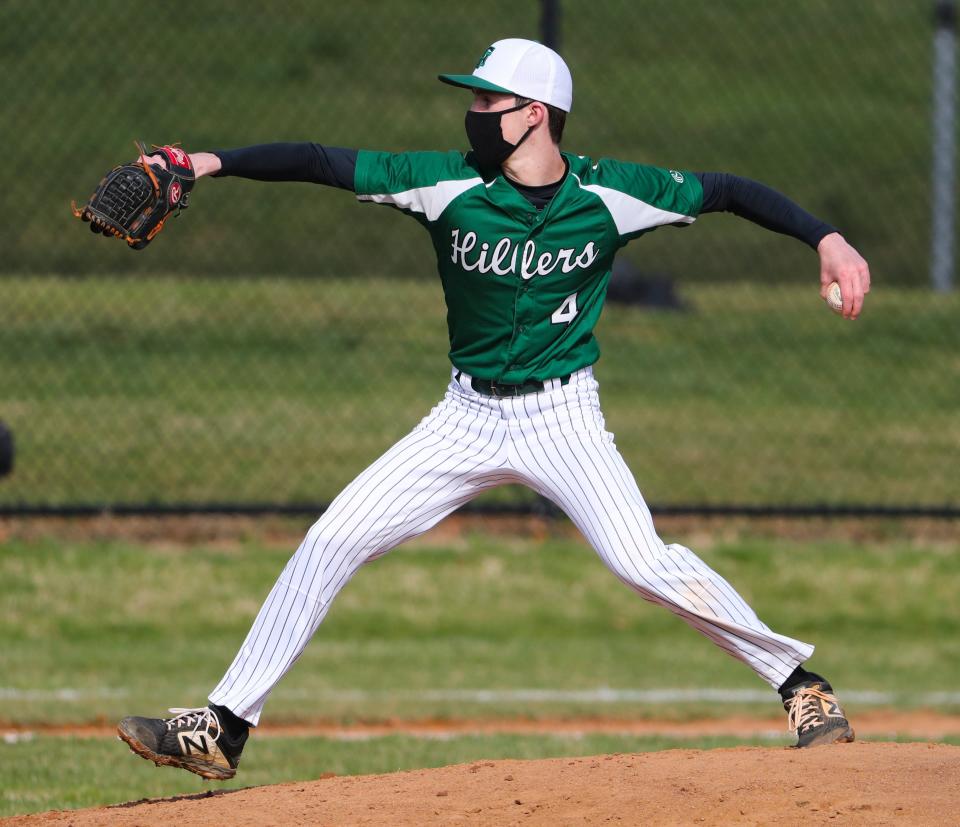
276 338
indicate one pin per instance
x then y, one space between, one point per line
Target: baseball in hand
834 298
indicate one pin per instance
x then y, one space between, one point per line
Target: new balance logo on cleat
815 714
833 710
193 740
187 745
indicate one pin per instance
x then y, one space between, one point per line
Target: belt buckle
495 390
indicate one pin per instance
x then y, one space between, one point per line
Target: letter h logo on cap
484 56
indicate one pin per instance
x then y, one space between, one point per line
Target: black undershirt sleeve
312 163
760 204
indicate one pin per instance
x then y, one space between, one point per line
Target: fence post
550 23
943 202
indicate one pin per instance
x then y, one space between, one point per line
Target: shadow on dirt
194 797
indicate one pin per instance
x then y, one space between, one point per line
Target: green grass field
133 629
93 631
282 390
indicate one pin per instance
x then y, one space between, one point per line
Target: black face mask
486 137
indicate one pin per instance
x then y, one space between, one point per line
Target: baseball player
525 236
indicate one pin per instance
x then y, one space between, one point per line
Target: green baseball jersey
524 288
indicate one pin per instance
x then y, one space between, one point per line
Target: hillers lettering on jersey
532 263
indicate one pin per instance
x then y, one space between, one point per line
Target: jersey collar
512 201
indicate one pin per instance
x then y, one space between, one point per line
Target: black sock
797 676
235 727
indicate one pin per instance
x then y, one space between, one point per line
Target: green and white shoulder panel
422 184
639 198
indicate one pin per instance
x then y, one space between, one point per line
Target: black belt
488 387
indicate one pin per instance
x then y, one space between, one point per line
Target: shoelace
805 708
204 719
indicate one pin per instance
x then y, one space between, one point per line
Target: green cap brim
473 82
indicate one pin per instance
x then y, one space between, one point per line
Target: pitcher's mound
861 783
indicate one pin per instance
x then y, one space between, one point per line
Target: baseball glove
134 200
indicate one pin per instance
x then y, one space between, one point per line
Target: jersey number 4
566 312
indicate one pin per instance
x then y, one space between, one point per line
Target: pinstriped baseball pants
554 442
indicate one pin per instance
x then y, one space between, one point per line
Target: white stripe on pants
556 443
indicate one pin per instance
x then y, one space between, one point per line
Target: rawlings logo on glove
134 200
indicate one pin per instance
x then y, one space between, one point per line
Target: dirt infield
861 783
700 531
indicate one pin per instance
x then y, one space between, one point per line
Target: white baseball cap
521 67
